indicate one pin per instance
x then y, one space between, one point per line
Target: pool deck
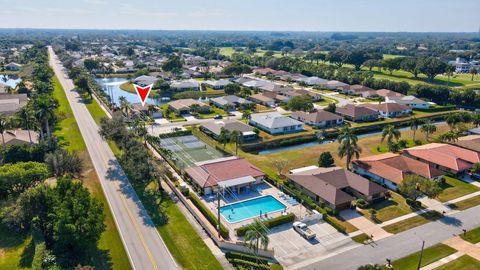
262 190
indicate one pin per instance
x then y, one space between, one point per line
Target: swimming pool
243 210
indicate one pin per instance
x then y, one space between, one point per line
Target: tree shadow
26 258
448 220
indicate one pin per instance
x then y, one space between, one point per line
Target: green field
454 188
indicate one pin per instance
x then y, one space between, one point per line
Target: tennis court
187 150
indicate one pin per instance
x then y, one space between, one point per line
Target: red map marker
143 92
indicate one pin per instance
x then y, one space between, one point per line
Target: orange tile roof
453 157
395 167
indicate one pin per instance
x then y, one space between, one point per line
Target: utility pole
421 254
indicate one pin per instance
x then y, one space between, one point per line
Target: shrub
280 220
209 215
246 257
335 224
249 264
361 203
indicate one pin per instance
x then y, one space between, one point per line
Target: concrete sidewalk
364 224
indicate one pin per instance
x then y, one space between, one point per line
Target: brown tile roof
262 97
387 107
355 111
359 88
446 155
318 116
471 142
182 104
388 93
20 135
328 183
395 167
211 174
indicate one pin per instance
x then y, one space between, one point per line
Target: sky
268 15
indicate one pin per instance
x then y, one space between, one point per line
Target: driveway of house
291 248
189 117
364 224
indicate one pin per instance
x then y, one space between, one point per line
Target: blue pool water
251 208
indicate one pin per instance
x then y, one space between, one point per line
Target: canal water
310 144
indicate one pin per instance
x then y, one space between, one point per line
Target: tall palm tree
474 72
348 145
428 128
124 105
449 137
414 124
390 133
27 114
452 120
44 107
224 137
257 236
151 109
4 125
236 137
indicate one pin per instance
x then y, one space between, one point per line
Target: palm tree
246 115
428 128
236 137
28 120
4 125
256 236
151 109
452 120
390 133
474 72
44 107
449 136
476 120
348 145
414 124
224 137
124 105
139 128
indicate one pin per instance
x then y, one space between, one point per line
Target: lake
112 85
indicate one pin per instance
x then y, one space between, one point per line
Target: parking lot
292 249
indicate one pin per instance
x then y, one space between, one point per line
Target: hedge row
255 147
248 264
270 223
246 257
209 215
335 224
438 109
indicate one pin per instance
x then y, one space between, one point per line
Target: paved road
400 245
144 246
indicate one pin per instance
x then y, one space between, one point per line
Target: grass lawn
361 238
472 236
326 101
389 209
127 86
430 255
213 112
454 188
16 249
383 148
71 137
413 222
465 204
182 240
172 116
463 263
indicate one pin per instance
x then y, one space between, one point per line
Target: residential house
318 119
410 101
337 187
300 92
445 157
256 84
230 102
145 80
275 123
355 89
183 106
357 113
20 137
474 131
236 174
13 66
260 98
312 80
215 127
139 109
389 110
217 84
12 103
471 142
334 85
185 85
390 169
387 93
